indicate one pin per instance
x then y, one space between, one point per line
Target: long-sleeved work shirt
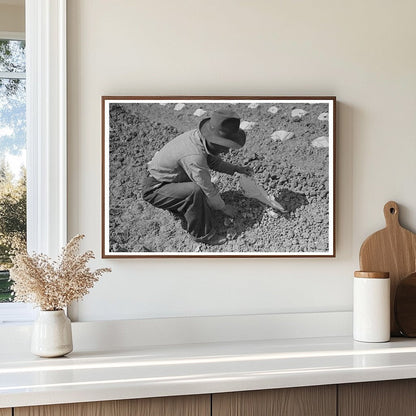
186 158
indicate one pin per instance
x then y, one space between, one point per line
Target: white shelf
151 371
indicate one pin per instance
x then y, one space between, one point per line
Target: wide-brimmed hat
223 128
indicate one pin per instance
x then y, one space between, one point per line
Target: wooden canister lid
372 275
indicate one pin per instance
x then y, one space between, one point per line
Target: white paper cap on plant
247 125
273 109
299 113
199 112
253 190
282 135
179 106
253 105
322 141
323 117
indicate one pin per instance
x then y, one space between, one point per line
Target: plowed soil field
293 171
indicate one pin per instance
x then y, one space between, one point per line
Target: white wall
12 17
361 51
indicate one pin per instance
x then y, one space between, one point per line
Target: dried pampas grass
53 285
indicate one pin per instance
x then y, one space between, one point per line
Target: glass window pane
12 56
12 175
12 117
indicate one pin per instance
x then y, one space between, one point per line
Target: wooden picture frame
289 148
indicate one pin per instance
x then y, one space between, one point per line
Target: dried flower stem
53 285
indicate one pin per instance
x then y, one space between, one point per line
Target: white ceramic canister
52 334
371 310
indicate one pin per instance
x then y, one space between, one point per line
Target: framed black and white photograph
218 177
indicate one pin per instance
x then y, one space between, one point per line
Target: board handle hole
392 211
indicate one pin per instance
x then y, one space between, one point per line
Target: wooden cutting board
393 250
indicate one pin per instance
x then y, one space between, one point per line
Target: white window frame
46 134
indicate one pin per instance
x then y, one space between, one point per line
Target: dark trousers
185 199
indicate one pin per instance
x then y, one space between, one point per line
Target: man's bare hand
229 211
245 170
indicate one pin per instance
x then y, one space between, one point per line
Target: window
46 134
12 153
12 166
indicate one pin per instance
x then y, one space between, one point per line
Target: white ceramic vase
52 334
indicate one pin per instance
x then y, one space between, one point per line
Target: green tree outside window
12 155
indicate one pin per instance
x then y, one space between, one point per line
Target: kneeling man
179 177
